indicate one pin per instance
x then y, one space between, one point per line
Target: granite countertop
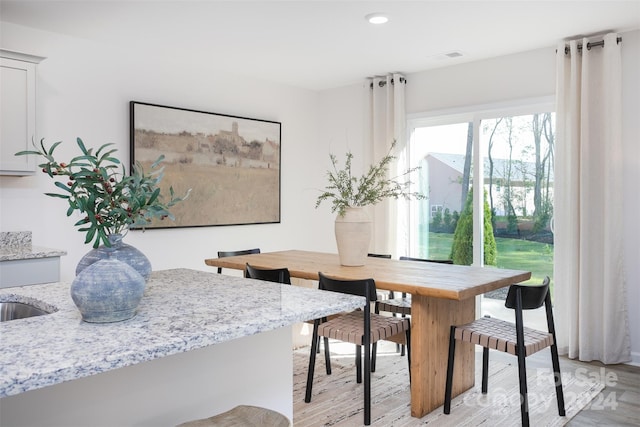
31 252
181 310
16 245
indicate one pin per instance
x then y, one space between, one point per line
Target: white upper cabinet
17 111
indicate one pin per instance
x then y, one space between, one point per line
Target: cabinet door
17 116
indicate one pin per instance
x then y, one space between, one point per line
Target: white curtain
385 121
590 296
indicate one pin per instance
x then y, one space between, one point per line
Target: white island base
253 370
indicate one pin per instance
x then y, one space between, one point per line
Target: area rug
337 400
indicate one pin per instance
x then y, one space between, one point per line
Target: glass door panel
518 182
444 153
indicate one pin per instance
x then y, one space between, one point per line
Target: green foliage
542 219
490 248
346 190
512 223
447 218
444 222
436 222
97 186
462 247
455 217
515 254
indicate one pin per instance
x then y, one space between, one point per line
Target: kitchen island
200 344
22 263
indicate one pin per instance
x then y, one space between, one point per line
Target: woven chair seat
349 327
500 335
396 305
496 334
243 415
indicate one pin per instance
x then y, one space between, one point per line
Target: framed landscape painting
231 164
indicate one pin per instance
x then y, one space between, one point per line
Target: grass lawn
513 254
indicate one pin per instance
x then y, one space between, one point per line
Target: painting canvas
231 164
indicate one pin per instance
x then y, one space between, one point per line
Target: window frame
475 114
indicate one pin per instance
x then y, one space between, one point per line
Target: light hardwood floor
617 405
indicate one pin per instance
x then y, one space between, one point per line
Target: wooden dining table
442 295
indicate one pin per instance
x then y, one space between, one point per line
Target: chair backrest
439 261
361 287
385 256
533 296
278 275
223 254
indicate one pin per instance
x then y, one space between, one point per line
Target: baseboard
635 359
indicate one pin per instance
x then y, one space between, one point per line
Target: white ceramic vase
353 235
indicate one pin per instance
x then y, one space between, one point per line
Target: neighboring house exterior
444 183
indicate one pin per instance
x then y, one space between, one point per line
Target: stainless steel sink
18 310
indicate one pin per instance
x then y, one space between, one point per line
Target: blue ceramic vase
108 290
120 251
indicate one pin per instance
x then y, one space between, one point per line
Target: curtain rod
590 45
383 83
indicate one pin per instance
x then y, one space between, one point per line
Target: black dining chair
439 261
359 327
511 338
382 293
223 254
400 306
278 275
385 256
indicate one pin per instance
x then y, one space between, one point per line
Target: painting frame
231 164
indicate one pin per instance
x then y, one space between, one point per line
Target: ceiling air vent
445 56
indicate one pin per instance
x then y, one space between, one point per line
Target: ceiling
324 44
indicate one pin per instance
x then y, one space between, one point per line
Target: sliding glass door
508 222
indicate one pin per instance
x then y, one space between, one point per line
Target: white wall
519 76
524 75
83 90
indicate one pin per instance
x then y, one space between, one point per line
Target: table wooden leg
431 319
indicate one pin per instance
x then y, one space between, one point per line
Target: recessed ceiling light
377 18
